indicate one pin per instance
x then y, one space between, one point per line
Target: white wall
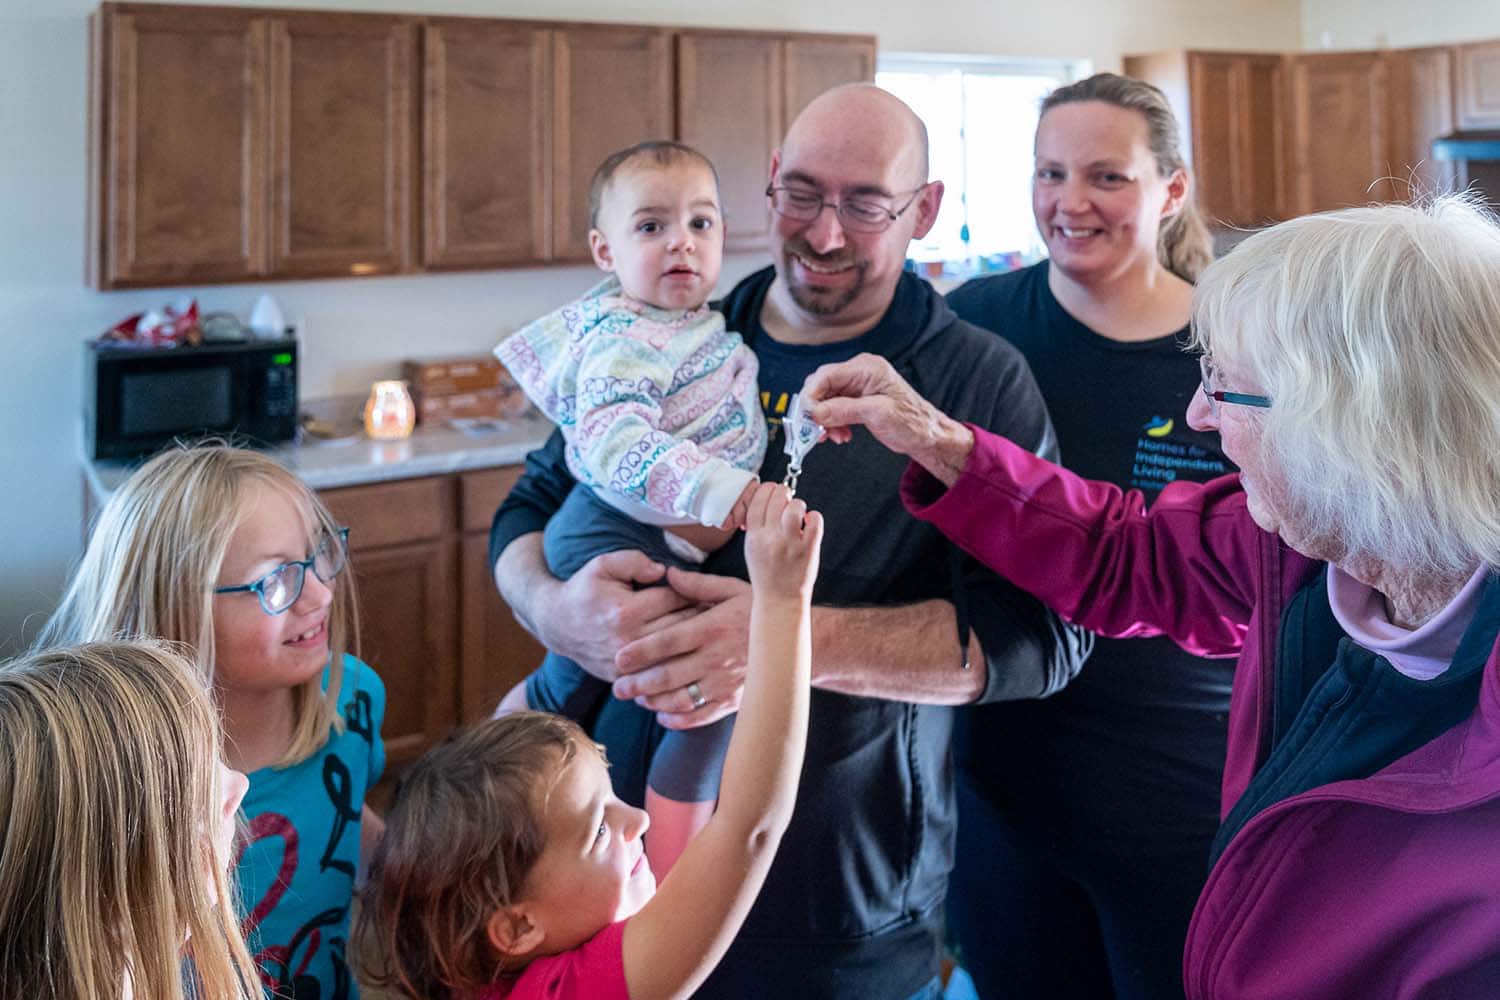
356 330
1397 24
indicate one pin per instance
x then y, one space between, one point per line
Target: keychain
801 433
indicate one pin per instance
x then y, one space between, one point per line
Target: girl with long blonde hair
119 817
225 551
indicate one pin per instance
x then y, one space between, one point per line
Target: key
800 432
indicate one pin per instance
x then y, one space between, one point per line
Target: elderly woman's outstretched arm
1091 551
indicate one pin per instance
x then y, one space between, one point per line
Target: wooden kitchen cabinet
738 91
487 143
178 146
611 88
495 652
814 64
238 144
231 144
1420 89
341 89
432 623
1478 91
1341 153
401 549
1231 108
729 106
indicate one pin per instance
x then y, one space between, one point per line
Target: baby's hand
741 509
781 547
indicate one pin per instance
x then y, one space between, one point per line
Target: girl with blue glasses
224 551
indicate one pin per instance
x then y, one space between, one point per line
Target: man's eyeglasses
279 589
858 215
1217 396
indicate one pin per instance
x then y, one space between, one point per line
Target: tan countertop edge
430 451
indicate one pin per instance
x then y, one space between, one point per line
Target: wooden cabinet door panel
183 196
395 513
1261 177
612 88
1421 110
480 495
814 65
1212 95
1339 107
1478 85
486 144
409 635
496 653
341 144
729 105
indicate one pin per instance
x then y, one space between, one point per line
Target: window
981 117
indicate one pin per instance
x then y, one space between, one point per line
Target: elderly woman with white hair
1351 363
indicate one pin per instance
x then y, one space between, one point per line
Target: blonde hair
1376 333
110 791
155 554
1183 244
461 838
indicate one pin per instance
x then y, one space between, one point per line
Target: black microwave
137 400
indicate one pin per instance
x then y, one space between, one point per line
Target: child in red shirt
509 869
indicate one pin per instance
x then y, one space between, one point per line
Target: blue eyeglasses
279 589
1217 396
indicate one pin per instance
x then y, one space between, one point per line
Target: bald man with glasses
904 626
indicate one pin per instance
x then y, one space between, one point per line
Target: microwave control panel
281 388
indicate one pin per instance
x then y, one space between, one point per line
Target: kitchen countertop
430 451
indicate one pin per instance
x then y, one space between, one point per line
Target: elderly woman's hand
866 390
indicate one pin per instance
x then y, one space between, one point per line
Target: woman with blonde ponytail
1085 819
119 817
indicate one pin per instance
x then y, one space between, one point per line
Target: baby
660 411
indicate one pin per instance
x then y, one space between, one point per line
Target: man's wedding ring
696 693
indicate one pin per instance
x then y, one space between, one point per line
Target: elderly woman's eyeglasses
279 589
1217 396
858 215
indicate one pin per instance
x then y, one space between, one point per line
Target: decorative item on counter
389 412
463 388
266 320
313 430
175 323
222 327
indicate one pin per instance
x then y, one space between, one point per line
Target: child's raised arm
677 938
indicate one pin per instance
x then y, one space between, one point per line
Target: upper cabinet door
486 136
1262 179
1478 85
1339 134
1421 110
1215 109
1236 101
341 113
178 181
612 88
814 65
729 105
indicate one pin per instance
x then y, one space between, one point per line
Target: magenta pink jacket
1387 886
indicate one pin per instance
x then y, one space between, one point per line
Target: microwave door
156 403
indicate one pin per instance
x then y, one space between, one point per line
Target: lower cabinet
431 621
495 652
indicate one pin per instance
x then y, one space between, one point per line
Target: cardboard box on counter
499 403
455 376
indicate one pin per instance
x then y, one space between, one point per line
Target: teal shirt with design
300 850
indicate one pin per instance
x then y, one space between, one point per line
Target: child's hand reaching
781 547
